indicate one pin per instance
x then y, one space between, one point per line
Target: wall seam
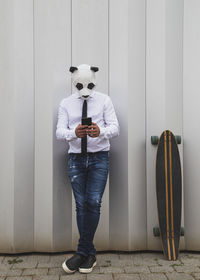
71 45
71 39
108 47
183 193
34 124
109 95
145 94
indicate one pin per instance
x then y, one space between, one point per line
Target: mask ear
72 69
95 69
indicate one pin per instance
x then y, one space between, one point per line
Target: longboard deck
169 193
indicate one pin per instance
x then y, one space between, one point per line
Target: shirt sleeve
111 128
62 130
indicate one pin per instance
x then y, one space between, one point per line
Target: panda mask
83 78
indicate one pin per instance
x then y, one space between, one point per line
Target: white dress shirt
99 108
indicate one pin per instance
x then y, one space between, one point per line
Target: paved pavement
110 266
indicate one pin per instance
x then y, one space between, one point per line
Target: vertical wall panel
127 90
174 80
118 88
163 90
191 122
90 46
16 167
24 126
62 202
52 61
155 101
7 104
136 125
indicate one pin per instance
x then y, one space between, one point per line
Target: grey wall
147 53
191 117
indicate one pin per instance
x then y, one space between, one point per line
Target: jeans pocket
72 156
102 160
75 162
102 156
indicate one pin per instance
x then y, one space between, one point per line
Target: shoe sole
66 269
87 270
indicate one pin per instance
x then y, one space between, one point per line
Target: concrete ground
110 266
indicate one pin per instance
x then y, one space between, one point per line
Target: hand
81 130
93 130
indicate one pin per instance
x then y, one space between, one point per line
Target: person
88 157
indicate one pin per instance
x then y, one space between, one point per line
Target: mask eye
79 86
90 85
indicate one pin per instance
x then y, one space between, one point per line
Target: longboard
169 192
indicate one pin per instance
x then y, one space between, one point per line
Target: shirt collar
90 96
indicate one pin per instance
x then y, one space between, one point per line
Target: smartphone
87 121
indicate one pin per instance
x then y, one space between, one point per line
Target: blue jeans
88 176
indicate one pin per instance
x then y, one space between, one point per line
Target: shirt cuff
102 131
71 135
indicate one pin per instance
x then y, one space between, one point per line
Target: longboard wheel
156 231
178 139
154 140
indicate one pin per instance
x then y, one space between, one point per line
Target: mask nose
85 91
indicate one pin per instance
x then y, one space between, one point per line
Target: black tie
84 139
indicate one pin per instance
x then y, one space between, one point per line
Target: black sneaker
88 264
72 264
